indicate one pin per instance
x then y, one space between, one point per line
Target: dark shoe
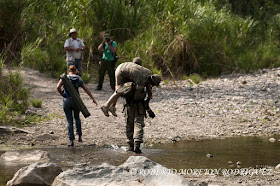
71 144
98 88
137 149
130 147
105 110
113 110
80 139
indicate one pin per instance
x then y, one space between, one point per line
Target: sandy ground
232 105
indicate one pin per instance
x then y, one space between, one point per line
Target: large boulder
137 170
24 157
36 174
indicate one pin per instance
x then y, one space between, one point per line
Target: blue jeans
69 108
77 64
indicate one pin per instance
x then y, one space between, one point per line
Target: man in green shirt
109 49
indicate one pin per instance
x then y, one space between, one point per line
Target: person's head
72 69
155 80
137 60
107 37
73 33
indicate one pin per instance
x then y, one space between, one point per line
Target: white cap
72 30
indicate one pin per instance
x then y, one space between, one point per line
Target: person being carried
131 72
134 107
74 47
109 49
69 105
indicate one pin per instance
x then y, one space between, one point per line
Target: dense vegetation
173 37
176 38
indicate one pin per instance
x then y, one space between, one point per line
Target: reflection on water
250 151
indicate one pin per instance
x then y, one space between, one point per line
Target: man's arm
113 49
100 47
149 89
70 49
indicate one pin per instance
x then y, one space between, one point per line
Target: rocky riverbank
228 106
232 105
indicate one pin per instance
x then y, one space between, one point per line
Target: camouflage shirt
129 71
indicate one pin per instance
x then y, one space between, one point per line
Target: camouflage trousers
134 115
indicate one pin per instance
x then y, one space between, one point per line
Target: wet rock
23 157
36 174
209 155
203 184
115 147
238 163
137 170
175 139
272 140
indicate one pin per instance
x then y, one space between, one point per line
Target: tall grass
190 37
13 97
176 37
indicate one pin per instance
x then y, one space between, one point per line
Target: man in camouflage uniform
134 107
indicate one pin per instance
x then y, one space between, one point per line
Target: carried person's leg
110 105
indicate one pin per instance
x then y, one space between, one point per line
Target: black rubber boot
130 147
80 139
137 149
71 144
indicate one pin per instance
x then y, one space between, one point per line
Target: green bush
86 78
14 98
37 103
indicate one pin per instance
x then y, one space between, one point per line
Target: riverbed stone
36 174
277 167
10 129
24 157
137 170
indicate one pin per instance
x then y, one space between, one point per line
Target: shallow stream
252 152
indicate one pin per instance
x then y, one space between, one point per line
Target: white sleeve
66 44
82 43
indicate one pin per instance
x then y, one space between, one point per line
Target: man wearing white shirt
74 47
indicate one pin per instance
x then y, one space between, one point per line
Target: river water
252 152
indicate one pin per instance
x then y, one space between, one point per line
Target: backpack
75 81
115 54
